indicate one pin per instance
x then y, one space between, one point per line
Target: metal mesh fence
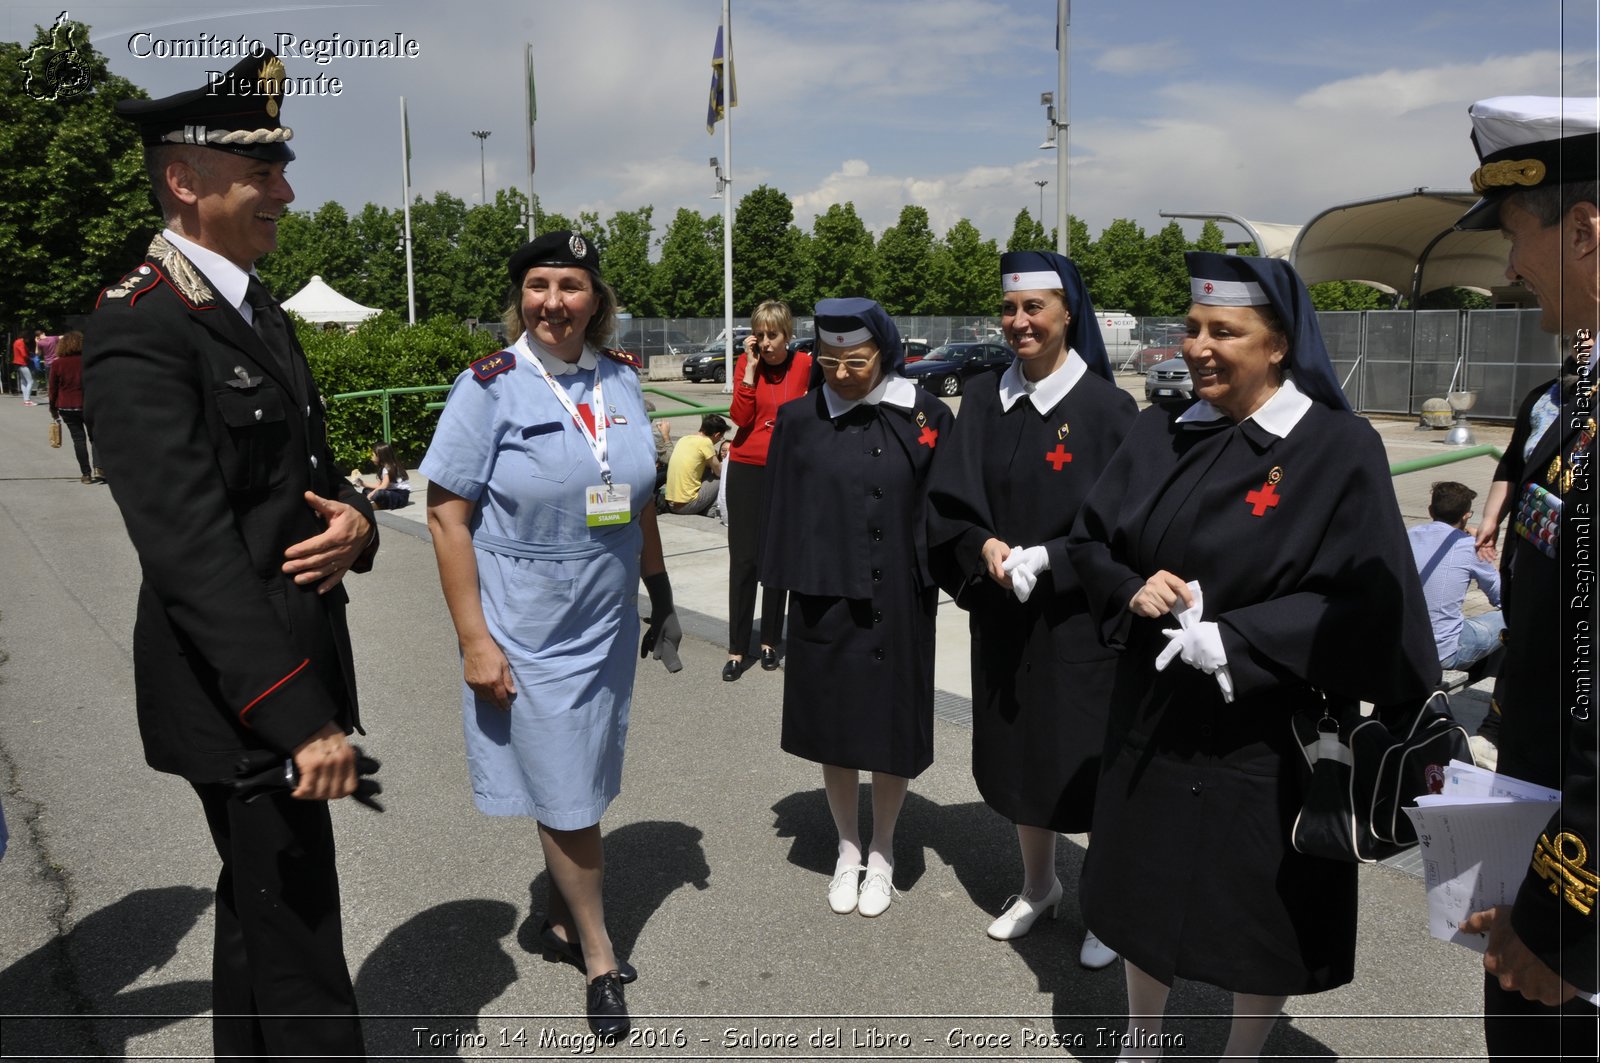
1389 361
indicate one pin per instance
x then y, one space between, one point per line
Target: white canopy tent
1406 242
317 303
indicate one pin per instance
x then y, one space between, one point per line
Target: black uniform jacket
820 512
210 446
1547 688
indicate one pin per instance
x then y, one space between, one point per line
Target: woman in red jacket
767 376
66 401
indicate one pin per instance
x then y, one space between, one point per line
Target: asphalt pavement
719 851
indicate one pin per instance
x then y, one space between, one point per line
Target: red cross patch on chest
929 437
1266 496
1059 457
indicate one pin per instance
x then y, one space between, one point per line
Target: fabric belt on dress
574 551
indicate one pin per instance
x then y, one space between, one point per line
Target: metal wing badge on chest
1060 457
1266 496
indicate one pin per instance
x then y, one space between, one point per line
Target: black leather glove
265 771
662 632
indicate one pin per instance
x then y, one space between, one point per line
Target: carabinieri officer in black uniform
211 431
848 469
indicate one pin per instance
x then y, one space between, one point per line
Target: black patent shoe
608 1012
559 950
732 670
769 659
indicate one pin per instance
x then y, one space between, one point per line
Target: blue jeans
1480 636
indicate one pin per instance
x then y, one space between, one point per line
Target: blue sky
1273 109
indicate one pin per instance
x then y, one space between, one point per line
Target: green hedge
385 352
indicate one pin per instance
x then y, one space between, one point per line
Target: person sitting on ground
1448 563
392 490
695 468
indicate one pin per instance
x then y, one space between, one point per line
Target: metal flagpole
727 194
533 115
1063 30
405 196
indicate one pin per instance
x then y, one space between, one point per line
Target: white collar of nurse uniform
531 348
894 389
1047 392
1277 415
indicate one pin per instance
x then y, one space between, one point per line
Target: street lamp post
483 188
1041 185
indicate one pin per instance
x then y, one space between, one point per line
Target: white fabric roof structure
1405 242
1274 239
317 302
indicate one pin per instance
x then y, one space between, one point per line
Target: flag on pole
714 109
533 104
405 138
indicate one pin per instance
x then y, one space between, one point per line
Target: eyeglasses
855 365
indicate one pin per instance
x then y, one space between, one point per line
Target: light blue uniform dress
559 597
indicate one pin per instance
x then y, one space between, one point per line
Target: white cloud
1146 58
1398 92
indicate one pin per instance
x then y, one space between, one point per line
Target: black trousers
279 983
747 532
1515 1027
81 439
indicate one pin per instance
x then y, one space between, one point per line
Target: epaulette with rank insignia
494 365
627 358
132 286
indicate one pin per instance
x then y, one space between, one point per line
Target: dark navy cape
846 536
1040 677
1300 550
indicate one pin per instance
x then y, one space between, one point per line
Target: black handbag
1362 770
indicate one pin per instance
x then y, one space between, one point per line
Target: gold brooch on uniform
922 419
1061 433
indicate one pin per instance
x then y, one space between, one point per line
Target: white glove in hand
1023 565
1198 642
1200 647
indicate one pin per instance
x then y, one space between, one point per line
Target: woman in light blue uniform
541 476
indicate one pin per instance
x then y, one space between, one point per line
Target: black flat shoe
608 1012
769 660
731 671
560 950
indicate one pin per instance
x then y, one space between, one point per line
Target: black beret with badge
1529 142
236 111
559 248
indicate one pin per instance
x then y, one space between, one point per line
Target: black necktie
268 321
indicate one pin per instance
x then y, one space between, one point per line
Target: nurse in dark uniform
1273 498
846 537
1026 449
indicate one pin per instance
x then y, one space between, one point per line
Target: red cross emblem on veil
1209 288
1016 276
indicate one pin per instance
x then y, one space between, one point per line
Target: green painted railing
687 407
1400 468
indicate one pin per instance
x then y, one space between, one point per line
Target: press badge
606 504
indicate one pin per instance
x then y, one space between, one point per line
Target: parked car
916 350
1168 381
650 342
707 364
944 371
805 344
1149 356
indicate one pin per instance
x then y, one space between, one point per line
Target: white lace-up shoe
1019 917
844 890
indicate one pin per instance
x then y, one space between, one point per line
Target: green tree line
78 215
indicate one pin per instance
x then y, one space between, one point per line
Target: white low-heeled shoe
877 890
845 889
1019 917
1095 954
